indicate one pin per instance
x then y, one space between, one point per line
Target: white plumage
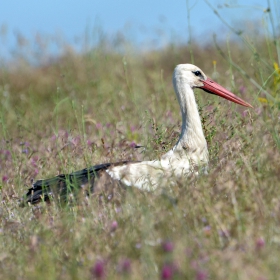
189 155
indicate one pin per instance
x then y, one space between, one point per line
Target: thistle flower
167 246
98 270
5 178
124 266
167 271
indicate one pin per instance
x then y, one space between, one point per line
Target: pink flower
114 225
35 158
76 140
98 125
167 246
167 271
65 134
244 113
5 153
125 266
201 275
5 178
98 270
260 243
132 128
132 145
33 162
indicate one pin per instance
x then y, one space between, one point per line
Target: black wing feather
62 185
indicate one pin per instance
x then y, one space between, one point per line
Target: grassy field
84 109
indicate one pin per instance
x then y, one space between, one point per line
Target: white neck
192 138
189 152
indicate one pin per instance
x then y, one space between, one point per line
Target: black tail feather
61 185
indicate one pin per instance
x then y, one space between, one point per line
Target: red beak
214 88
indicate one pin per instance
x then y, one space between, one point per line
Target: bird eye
197 73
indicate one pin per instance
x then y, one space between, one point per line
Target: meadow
81 109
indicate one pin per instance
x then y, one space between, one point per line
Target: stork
188 156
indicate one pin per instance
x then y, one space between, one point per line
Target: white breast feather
148 175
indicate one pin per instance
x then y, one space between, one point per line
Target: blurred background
33 28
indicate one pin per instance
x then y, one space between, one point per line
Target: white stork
189 155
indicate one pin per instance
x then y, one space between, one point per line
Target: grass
85 109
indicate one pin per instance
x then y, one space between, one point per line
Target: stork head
195 78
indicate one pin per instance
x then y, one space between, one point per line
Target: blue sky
142 21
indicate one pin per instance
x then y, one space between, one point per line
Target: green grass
82 110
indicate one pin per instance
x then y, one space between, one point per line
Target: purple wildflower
132 144
76 141
132 128
98 270
34 161
223 232
201 275
167 246
207 230
260 243
5 178
98 125
6 153
118 209
114 225
244 113
25 151
35 158
167 271
125 266
204 220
